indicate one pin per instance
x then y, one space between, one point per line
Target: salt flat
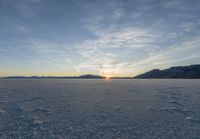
99 109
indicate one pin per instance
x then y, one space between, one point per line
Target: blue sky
105 37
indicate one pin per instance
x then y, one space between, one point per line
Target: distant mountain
88 76
187 72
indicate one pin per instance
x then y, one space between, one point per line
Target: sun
107 77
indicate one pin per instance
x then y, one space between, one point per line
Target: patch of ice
193 119
41 109
38 122
2 111
189 118
163 109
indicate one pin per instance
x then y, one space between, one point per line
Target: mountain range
180 72
87 76
185 72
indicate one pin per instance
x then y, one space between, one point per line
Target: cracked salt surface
99 109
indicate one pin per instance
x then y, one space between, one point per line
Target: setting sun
107 77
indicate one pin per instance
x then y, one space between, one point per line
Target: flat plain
99 109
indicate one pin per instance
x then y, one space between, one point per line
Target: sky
102 37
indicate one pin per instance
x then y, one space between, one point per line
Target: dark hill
187 72
90 76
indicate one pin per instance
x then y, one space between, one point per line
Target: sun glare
108 77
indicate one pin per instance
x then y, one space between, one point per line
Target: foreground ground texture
99 109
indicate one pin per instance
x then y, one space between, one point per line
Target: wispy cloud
189 26
101 50
118 13
122 38
173 4
2 50
172 55
49 53
112 49
29 8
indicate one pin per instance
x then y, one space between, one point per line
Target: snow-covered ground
99 109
